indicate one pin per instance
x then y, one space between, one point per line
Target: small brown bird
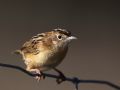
45 51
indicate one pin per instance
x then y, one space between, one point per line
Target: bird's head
62 37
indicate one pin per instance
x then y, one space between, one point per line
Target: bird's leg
40 76
61 77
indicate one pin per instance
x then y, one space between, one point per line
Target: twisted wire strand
75 80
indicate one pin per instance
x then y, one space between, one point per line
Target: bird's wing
31 46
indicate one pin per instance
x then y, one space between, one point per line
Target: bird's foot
61 78
39 75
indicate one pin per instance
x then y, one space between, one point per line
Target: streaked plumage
46 50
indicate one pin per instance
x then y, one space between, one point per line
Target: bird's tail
17 52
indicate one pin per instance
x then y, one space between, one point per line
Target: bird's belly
47 60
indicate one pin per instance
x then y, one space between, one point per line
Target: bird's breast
46 59
50 59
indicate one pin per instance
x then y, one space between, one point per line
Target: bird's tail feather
17 52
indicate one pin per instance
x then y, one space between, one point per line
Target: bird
45 51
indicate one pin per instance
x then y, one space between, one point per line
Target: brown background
95 55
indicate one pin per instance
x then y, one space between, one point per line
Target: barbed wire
75 80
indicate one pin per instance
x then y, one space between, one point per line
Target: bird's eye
59 37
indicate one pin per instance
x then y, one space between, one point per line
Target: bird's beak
71 38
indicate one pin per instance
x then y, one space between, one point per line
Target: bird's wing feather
31 46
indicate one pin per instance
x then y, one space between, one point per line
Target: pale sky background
95 55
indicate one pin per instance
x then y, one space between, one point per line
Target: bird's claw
60 79
40 77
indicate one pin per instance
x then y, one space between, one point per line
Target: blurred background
95 55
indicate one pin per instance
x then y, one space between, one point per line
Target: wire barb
76 81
